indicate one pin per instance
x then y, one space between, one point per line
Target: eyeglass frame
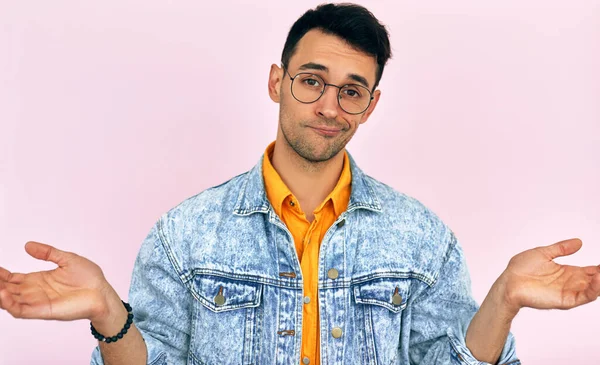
371 97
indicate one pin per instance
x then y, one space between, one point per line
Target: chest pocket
380 304
226 320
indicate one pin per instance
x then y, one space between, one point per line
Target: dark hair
353 23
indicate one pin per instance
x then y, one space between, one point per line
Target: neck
310 182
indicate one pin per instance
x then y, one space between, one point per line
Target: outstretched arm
76 289
531 279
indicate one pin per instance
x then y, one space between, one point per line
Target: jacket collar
252 197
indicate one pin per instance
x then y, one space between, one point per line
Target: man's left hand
532 279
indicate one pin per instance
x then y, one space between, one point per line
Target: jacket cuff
155 355
463 356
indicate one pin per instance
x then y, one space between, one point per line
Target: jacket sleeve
442 314
161 304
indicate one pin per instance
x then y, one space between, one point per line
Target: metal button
305 360
341 223
336 332
396 298
333 274
219 299
306 300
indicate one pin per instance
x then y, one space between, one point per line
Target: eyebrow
317 66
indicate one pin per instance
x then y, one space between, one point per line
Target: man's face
320 130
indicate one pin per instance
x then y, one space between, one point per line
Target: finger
593 291
592 270
11 288
7 302
4 274
563 248
20 306
42 251
589 294
12 306
28 294
11 277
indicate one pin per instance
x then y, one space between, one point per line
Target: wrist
116 337
503 298
111 315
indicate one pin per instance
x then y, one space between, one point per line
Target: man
304 259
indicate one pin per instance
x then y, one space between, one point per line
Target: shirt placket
310 351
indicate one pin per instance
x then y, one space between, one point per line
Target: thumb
563 248
45 252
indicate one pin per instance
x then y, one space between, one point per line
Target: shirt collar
252 197
277 191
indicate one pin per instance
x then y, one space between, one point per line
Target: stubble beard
302 145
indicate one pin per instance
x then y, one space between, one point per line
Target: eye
352 92
313 82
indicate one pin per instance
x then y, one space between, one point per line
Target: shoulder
209 205
396 205
221 196
406 217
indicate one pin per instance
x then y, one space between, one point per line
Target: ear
376 96
275 80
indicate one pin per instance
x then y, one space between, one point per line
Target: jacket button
219 299
305 360
397 299
333 274
336 332
341 223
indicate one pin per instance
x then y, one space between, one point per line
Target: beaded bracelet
120 335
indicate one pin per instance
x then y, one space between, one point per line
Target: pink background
113 112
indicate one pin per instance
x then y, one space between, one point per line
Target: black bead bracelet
120 335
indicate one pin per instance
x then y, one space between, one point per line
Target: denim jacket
218 281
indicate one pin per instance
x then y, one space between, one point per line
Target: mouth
327 131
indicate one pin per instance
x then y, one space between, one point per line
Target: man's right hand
76 289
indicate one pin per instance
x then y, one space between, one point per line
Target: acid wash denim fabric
227 243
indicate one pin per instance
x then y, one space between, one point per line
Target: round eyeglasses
308 88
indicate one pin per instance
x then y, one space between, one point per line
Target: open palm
74 290
536 281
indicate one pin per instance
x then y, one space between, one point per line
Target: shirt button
292 203
336 332
306 300
333 274
305 360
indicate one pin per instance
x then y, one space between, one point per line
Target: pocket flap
222 294
390 293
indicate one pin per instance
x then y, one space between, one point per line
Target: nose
327 105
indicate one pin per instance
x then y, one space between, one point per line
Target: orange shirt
307 239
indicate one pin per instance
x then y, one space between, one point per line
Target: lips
327 128
327 131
